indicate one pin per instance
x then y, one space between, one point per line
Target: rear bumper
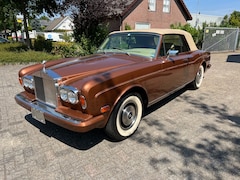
80 124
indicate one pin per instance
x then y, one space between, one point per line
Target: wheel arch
141 92
133 89
204 65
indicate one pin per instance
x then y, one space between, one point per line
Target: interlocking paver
191 135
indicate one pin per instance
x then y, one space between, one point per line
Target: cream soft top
187 35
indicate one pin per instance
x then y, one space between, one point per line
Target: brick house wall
140 14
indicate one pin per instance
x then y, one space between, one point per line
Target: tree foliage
90 17
7 16
34 7
28 8
231 21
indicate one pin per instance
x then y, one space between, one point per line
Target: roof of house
182 6
132 4
55 23
44 22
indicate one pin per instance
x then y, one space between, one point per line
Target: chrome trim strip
45 109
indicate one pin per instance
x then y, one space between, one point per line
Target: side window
185 46
173 41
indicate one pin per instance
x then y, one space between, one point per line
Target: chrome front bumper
42 112
45 109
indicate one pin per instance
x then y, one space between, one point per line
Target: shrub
127 27
68 49
40 44
91 38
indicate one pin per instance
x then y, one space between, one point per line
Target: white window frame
152 5
142 25
166 6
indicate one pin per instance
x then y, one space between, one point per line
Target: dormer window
166 6
152 5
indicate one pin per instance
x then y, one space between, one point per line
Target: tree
5 16
30 8
44 18
234 19
89 17
231 21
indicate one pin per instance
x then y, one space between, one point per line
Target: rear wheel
198 78
125 117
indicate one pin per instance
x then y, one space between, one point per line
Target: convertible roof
187 35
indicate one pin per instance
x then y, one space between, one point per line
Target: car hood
81 67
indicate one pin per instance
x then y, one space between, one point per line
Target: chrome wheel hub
199 76
128 116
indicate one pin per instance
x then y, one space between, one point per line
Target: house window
152 5
166 6
140 25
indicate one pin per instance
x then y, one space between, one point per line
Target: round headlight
72 97
64 94
28 82
25 82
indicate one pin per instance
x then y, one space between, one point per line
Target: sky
213 7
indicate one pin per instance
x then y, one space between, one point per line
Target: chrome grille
45 89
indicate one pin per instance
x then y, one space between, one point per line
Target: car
112 88
4 40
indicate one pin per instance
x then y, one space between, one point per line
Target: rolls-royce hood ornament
44 66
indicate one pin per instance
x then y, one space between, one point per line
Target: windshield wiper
101 51
122 50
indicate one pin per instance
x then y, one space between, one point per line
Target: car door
174 55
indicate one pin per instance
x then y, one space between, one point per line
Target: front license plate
38 115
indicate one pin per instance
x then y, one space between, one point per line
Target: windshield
144 44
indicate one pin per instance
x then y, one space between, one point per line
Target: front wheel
125 117
198 78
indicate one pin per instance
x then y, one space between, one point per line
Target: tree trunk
15 26
5 31
28 41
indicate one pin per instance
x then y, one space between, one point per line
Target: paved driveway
190 135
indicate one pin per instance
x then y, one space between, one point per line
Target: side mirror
172 52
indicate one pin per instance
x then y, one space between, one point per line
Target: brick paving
190 135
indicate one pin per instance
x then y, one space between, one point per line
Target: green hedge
12 53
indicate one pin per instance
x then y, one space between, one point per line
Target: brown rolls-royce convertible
110 89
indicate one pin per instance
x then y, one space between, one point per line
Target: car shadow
234 58
85 141
80 141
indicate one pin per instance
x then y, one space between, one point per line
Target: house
55 29
60 24
145 14
44 23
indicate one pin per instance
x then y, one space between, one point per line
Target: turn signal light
105 109
83 102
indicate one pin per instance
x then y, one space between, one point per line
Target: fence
220 39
